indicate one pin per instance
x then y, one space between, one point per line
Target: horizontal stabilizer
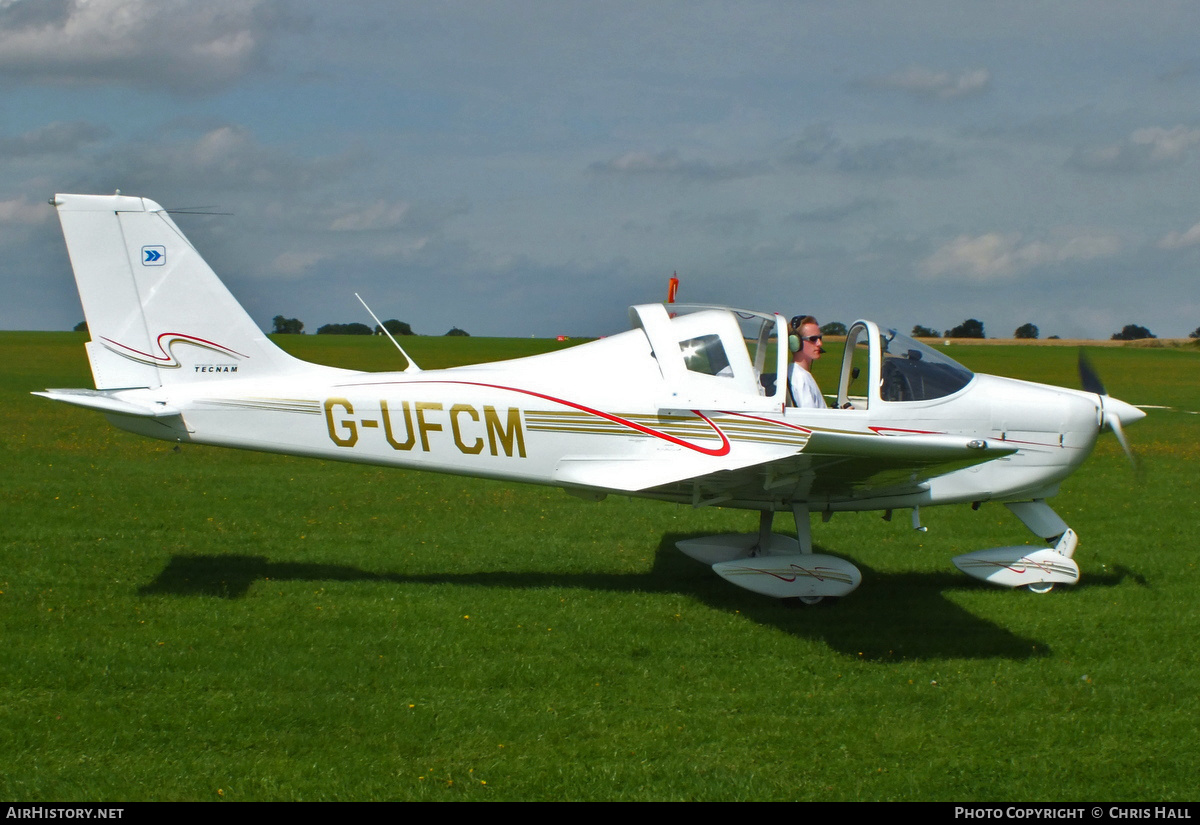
109 402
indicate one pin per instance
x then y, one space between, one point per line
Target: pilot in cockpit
804 341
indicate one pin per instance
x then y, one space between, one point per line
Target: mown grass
209 624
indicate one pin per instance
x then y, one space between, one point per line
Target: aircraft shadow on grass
895 616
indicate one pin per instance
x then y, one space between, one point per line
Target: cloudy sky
533 168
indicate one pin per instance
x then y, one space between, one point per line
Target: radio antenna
412 365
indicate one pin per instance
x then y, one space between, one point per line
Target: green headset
794 342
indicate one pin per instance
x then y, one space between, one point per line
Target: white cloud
1148 148
923 82
1179 240
993 256
297 263
376 216
21 211
181 45
1166 145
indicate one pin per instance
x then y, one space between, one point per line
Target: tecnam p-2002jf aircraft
683 407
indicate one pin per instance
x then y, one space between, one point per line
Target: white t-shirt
803 389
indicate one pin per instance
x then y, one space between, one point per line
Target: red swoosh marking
713 451
802 570
168 359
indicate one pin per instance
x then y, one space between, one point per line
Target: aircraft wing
838 465
854 464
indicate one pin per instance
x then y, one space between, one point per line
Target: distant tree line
1132 332
970 328
395 328
345 329
294 326
287 326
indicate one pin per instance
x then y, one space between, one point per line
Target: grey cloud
1181 71
669 165
223 158
17 15
383 215
841 212
53 139
720 224
818 146
182 46
898 156
926 83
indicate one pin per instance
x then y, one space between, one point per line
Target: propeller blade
1114 424
1088 377
1114 413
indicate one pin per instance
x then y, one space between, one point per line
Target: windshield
912 371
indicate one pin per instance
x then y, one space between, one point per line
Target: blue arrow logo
154 255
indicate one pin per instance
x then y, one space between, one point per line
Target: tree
1195 334
81 326
396 327
834 328
1026 331
345 329
969 328
457 331
1132 332
287 326
924 332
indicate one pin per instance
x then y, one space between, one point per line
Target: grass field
208 624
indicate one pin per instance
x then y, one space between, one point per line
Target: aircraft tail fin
157 313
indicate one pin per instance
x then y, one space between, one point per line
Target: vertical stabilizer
156 312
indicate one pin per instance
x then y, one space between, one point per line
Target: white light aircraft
683 407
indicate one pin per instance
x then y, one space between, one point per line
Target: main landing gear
776 565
